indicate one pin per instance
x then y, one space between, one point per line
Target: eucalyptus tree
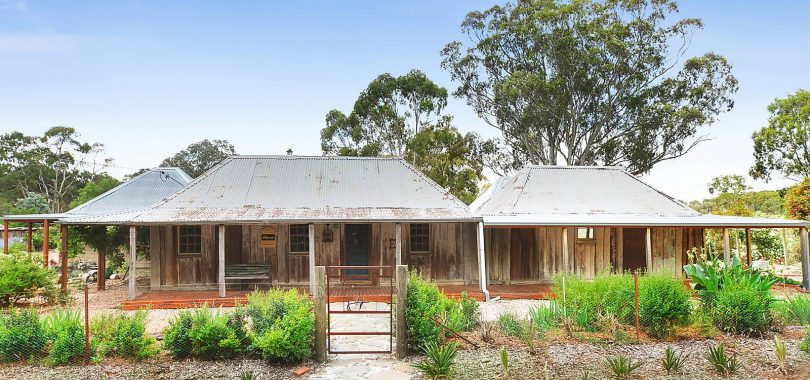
783 145
589 83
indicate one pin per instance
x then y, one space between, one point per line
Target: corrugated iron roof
593 196
256 189
142 191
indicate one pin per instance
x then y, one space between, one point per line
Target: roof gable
142 191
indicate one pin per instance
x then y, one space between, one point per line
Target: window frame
298 235
590 234
424 235
185 234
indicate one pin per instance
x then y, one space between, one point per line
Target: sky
147 78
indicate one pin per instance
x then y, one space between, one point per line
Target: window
189 239
585 233
299 238
420 237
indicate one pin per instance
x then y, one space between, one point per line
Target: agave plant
722 363
438 361
622 367
672 362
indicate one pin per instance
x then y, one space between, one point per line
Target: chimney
289 152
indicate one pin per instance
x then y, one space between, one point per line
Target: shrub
663 303
201 333
622 367
21 335
65 331
283 323
462 314
740 308
122 335
605 294
545 316
672 362
805 344
424 304
438 361
22 276
711 276
722 363
795 310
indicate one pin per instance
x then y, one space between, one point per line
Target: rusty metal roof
593 196
257 189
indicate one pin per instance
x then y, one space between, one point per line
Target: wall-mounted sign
268 236
328 235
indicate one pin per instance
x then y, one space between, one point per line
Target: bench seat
247 272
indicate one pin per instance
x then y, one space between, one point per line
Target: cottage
269 220
571 219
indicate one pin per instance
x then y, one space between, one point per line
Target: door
356 247
634 242
523 255
233 245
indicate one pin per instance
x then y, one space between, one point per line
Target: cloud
17 5
36 43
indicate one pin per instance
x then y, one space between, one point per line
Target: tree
197 158
101 185
385 116
728 184
589 83
31 203
784 145
797 201
57 164
449 158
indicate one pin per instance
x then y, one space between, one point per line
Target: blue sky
148 78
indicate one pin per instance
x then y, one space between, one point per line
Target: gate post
402 304
319 287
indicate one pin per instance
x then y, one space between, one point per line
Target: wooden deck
181 299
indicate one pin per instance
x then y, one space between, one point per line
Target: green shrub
438 361
606 294
461 314
805 344
65 331
21 335
740 308
22 276
425 303
794 310
201 333
711 276
511 325
122 335
283 323
545 316
663 303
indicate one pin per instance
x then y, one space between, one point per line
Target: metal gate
354 287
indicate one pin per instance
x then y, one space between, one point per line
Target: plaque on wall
268 236
328 235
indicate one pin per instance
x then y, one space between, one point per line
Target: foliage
783 145
31 203
589 83
672 362
797 201
780 353
622 367
545 316
663 303
65 331
283 324
438 361
123 335
511 325
764 202
427 305
56 164
739 307
201 333
606 294
505 363
21 335
22 276
247 375
198 157
805 344
720 361
794 310
710 276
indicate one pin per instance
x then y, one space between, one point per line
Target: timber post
5 237
805 250
30 246
402 304
311 258
748 246
221 260
319 298
133 253
398 243
648 250
101 272
63 257
46 236
726 248
565 250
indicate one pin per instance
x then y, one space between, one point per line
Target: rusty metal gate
354 284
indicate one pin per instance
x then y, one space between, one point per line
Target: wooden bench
247 272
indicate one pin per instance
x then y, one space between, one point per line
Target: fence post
402 304
86 328
635 297
319 288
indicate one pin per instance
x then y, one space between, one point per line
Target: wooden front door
233 245
523 255
634 242
356 247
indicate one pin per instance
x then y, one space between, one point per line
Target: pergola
46 220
